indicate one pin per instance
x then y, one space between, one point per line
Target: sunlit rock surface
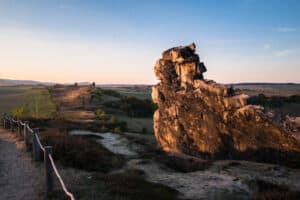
203 118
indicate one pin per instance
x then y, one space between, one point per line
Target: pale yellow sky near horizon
36 55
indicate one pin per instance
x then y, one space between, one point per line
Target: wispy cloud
285 29
286 52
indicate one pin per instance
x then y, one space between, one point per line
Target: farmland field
29 100
270 89
141 92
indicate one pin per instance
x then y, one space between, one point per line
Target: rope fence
60 179
39 143
24 131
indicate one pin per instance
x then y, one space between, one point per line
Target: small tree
112 120
19 111
144 130
100 114
117 130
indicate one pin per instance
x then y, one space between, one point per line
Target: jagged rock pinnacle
200 117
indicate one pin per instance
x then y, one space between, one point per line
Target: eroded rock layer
200 117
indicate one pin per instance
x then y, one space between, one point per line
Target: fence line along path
24 131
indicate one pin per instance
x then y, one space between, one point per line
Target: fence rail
24 131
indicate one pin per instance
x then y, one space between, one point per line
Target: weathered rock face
200 117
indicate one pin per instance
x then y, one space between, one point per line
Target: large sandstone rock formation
202 118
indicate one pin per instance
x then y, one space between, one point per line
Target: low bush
133 106
19 111
100 91
270 191
132 185
109 122
274 101
112 93
144 130
100 114
81 153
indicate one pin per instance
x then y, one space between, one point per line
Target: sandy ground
225 179
195 185
20 177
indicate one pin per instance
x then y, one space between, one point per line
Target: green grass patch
137 125
26 101
12 96
140 92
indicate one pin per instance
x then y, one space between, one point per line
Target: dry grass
183 163
270 191
276 195
131 185
81 153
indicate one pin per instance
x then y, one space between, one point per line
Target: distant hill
264 83
9 82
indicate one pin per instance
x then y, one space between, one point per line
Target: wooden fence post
12 125
4 120
48 169
26 134
19 128
35 145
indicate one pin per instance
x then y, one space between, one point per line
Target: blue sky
119 41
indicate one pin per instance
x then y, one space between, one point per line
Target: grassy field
26 100
134 124
276 97
141 92
270 90
138 125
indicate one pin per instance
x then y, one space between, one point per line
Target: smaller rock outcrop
201 117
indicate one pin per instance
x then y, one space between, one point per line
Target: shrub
133 106
117 130
144 130
270 191
112 120
109 122
81 153
112 93
100 114
274 101
19 111
132 185
99 92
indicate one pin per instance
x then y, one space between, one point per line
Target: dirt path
20 177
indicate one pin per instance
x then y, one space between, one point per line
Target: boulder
202 118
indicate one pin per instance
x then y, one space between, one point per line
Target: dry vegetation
81 153
269 191
26 101
85 154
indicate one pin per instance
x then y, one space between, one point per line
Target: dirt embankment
72 102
